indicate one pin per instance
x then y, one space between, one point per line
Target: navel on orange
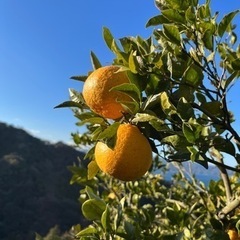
131 156
97 95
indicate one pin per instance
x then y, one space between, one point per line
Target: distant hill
35 194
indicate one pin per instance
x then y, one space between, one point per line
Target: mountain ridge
35 194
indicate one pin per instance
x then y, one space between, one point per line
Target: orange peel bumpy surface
131 156
97 95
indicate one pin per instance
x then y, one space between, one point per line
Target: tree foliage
180 78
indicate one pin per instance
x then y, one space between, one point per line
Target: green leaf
190 14
69 104
75 96
131 107
176 141
189 133
133 63
194 153
193 76
214 107
86 232
92 169
236 64
129 228
130 89
208 40
157 20
109 132
93 209
91 194
95 62
108 37
91 120
105 219
79 78
144 117
172 33
226 21
173 15
167 106
224 145
184 109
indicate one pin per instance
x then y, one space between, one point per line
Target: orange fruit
97 95
131 156
233 235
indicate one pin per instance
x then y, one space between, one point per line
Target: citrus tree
163 97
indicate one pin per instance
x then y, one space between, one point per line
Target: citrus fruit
131 156
233 235
97 95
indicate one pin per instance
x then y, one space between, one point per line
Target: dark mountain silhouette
35 194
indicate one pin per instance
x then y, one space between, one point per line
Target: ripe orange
97 95
131 156
233 235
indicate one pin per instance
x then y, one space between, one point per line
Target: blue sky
44 42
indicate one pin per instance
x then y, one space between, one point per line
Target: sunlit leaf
86 232
157 20
227 19
130 89
105 219
92 169
193 76
172 33
95 62
133 63
173 16
109 132
108 37
167 106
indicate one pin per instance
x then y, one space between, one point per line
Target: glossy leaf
95 62
130 89
110 131
176 141
193 76
105 219
189 133
86 232
172 33
108 37
173 16
184 109
167 106
133 63
226 21
92 169
69 104
79 78
157 20
208 40
214 107
93 209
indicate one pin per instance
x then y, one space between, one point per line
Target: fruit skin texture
97 95
233 235
130 158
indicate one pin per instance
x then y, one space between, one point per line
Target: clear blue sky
44 42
